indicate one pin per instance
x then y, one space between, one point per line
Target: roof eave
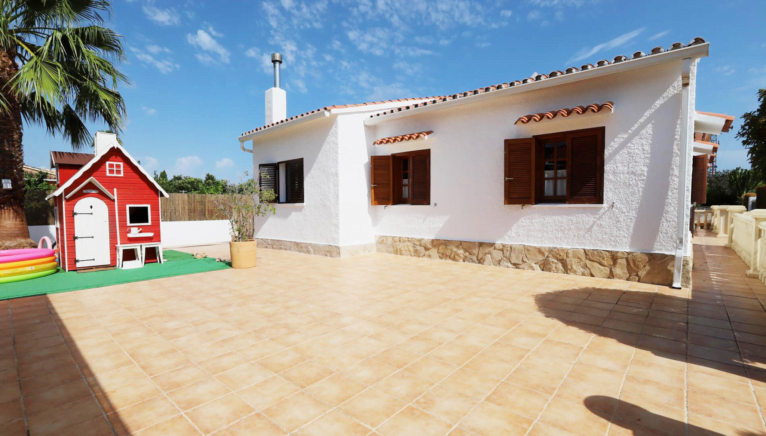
696 51
301 120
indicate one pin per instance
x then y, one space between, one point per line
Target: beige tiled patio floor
387 345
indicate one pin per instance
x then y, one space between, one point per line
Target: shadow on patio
708 343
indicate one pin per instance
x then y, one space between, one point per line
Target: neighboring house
580 171
50 175
107 207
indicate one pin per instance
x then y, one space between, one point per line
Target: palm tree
56 71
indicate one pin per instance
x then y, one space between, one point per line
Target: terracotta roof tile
428 101
538 77
328 108
401 138
565 112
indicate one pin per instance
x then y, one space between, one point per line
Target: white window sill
565 206
289 204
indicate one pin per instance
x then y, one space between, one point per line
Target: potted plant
240 204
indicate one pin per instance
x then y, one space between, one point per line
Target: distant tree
742 181
718 190
36 182
191 185
753 136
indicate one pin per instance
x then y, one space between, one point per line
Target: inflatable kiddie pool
26 263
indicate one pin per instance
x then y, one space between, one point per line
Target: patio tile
491 420
143 415
335 390
176 426
334 423
403 386
179 378
370 371
306 374
295 411
198 393
267 392
164 363
520 400
127 395
282 360
372 407
445 404
222 363
219 413
413 421
252 425
575 417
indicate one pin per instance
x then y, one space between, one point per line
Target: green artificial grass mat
176 264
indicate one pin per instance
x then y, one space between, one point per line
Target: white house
579 171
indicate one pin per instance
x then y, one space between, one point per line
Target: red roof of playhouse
76 158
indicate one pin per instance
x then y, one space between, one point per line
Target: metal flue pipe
276 59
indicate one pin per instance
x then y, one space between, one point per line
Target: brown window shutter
294 181
519 171
381 180
699 179
421 177
269 178
586 166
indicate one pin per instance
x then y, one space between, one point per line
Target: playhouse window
139 215
114 169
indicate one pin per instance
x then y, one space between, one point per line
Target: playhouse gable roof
95 160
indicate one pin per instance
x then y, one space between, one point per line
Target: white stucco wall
641 167
317 219
190 233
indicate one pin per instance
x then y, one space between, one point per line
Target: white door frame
91 233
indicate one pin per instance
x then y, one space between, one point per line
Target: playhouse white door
91 233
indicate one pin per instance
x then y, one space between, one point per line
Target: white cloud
187 165
380 41
212 31
165 17
337 45
224 163
300 85
560 15
444 41
533 15
165 66
726 70
156 49
658 35
483 44
506 13
149 163
757 70
253 52
408 68
203 41
614 43
389 92
149 111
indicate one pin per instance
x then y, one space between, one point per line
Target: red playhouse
107 208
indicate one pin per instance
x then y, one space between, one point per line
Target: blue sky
199 69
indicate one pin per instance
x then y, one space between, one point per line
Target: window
139 215
402 178
114 169
285 179
565 167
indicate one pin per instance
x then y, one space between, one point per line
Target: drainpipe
242 146
682 227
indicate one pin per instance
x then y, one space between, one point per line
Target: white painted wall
190 233
641 167
37 232
316 220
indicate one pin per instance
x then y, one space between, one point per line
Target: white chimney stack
103 142
276 97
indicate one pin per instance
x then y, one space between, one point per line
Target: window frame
540 167
396 172
539 171
127 215
278 184
112 169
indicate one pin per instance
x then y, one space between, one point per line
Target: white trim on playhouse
95 182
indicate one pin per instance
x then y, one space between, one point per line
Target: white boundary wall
174 233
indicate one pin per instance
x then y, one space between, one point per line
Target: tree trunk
14 232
